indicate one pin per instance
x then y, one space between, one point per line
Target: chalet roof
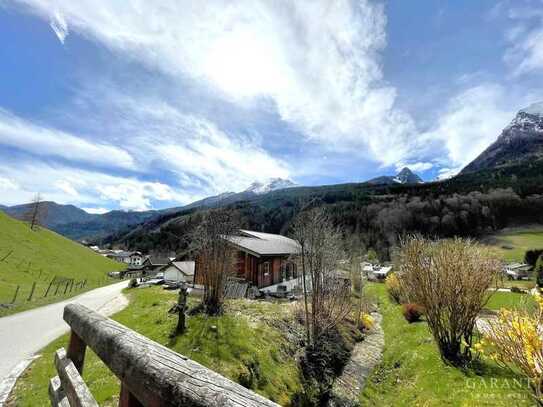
264 244
185 267
157 261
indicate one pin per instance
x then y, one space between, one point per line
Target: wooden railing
150 374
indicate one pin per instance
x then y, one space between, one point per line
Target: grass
511 245
502 299
237 345
38 256
412 373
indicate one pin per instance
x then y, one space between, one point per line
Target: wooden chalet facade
263 259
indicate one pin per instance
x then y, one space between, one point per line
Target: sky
140 104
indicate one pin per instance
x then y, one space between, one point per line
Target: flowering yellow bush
366 321
514 340
392 285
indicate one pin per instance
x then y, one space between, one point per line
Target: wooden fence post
56 289
31 291
66 288
49 287
127 399
72 284
15 296
76 351
6 256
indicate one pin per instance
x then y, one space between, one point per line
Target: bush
450 279
513 340
532 256
539 271
412 312
133 283
393 287
366 322
517 290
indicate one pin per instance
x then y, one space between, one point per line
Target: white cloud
57 183
318 61
66 187
45 141
525 54
6 184
415 166
470 122
59 26
96 211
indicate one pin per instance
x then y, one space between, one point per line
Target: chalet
179 272
154 264
131 258
262 259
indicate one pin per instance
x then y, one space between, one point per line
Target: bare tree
36 213
215 256
451 280
326 293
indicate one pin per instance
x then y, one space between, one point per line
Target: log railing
150 374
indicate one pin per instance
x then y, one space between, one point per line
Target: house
154 264
179 271
516 271
262 259
375 272
131 258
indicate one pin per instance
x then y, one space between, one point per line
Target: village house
179 272
263 259
130 258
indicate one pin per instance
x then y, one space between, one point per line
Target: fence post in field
32 291
56 289
67 284
6 256
15 296
49 287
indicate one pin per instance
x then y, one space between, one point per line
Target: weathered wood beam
72 383
154 374
76 351
56 395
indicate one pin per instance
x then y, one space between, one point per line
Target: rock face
405 176
520 142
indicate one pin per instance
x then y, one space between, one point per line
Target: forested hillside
376 216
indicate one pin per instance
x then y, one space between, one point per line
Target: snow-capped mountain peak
272 184
535 109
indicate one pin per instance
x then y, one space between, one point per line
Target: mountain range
519 147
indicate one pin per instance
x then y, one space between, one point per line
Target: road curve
25 333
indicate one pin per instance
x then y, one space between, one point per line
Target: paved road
25 333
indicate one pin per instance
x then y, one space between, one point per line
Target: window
266 268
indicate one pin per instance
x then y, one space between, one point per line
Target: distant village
266 265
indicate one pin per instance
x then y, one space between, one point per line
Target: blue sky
138 105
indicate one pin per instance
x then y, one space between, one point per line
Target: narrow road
25 333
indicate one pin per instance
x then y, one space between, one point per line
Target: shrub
517 290
412 312
450 279
366 322
539 271
133 283
393 287
531 256
513 340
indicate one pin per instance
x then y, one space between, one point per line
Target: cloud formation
45 141
317 61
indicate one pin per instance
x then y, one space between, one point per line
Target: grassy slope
40 255
520 240
237 341
412 373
